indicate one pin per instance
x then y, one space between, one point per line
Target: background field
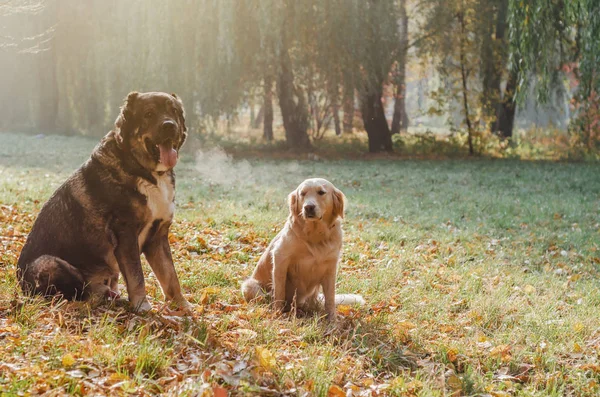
480 276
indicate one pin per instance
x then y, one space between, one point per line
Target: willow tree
367 44
467 42
551 38
249 46
332 47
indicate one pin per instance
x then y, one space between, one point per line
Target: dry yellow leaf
414 386
368 382
206 292
502 351
529 289
591 367
68 360
344 310
578 327
266 359
335 391
574 278
454 382
452 354
577 348
406 325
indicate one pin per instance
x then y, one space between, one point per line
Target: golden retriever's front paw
331 317
278 307
185 306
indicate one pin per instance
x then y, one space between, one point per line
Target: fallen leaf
452 354
344 310
68 360
578 327
265 358
335 391
502 351
219 391
454 382
529 289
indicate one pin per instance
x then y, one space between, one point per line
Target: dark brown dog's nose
168 126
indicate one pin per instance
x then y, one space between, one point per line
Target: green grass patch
480 276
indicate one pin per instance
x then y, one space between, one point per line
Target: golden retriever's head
317 199
152 127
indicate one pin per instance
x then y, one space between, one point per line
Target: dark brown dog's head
152 127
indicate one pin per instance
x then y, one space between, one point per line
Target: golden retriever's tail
251 289
345 299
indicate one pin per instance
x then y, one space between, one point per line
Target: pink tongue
168 155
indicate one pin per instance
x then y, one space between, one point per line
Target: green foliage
547 35
467 43
556 42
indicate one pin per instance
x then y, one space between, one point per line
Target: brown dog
303 257
119 204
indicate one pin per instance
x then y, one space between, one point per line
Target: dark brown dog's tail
51 276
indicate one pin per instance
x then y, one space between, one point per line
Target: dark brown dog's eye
321 192
148 115
302 194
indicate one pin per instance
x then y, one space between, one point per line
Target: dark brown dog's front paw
141 305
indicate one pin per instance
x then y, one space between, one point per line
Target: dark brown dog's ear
182 119
339 203
124 122
293 203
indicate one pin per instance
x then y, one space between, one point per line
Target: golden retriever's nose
309 210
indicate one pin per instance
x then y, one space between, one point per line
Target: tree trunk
259 117
348 107
334 95
505 107
463 74
267 109
252 113
94 111
336 118
491 66
505 113
374 120
400 119
293 112
48 95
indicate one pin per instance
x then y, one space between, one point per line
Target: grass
480 276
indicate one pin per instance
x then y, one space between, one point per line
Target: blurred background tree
307 71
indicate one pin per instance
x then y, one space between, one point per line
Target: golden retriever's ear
339 202
293 203
124 122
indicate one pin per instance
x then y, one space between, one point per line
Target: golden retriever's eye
302 194
321 192
148 115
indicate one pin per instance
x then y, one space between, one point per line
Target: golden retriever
305 254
